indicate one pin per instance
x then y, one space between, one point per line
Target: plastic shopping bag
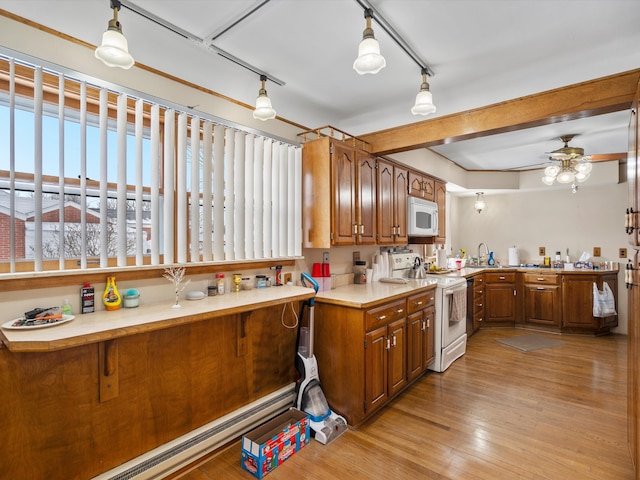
604 304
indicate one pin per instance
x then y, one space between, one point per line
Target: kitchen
555 220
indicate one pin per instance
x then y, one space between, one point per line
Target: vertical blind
149 184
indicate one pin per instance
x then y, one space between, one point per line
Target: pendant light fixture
424 100
264 111
479 205
369 59
114 50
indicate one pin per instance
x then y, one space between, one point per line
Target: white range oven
450 332
451 321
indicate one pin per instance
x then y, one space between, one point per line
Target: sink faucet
486 252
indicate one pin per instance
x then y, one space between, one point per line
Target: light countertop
106 325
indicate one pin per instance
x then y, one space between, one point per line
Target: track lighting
264 110
479 205
369 59
114 50
424 100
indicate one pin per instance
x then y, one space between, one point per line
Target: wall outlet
286 278
596 251
542 251
325 257
356 257
623 253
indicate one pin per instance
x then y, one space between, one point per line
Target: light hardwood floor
496 413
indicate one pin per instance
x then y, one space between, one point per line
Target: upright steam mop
325 424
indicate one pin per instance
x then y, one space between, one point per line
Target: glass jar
220 283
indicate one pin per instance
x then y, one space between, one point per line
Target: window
92 177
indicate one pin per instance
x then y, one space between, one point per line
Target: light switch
596 251
542 251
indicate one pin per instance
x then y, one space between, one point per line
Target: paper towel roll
441 258
514 257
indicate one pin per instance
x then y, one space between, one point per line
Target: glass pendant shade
369 59
582 177
114 50
547 180
424 103
264 110
479 204
584 168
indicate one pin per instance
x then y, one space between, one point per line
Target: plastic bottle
111 297
491 260
220 282
87 299
66 308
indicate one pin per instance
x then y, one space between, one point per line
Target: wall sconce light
114 50
264 110
424 100
369 59
479 205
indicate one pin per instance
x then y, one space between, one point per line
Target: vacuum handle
305 277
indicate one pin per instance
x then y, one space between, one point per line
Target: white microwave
423 217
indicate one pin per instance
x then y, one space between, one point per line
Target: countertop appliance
423 217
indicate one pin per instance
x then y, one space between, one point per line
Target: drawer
541 279
478 291
478 279
379 316
506 277
421 301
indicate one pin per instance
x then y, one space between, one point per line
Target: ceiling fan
574 164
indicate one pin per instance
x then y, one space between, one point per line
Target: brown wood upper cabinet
392 203
339 195
422 186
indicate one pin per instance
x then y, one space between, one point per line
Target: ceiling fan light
584 167
548 180
369 59
582 177
552 171
566 176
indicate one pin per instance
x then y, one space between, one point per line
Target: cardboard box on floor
269 445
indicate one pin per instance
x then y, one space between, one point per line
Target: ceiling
481 52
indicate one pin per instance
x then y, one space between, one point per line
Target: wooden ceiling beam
594 97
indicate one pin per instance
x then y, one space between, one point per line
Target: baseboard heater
178 453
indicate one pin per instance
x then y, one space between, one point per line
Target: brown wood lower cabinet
577 303
542 299
500 297
367 356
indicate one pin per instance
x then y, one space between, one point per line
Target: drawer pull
417 304
540 279
393 343
478 304
400 310
502 278
540 288
381 317
424 325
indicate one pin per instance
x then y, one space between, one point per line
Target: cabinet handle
431 299
400 310
424 325
540 279
388 344
478 304
502 278
394 340
417 304
540 288
480 292
428 323
381 317
362 229
355 229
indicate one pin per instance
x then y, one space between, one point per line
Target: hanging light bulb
369 59
264 111
479 204
424 101
114 50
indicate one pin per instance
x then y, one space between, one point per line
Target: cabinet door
415 345
542 304
429 319
376 392
366 200
577 301
415 184
441 200
344 198
386 206
500 302
397 362
633 363
401 181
